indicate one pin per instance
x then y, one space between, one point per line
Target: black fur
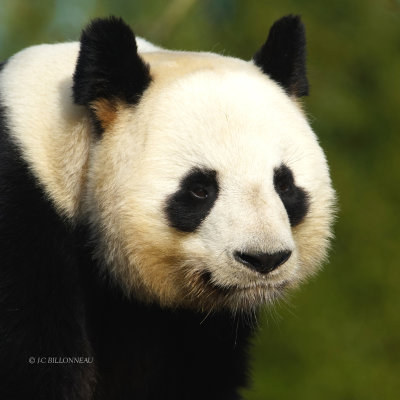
283 55
184 210
53 304
109 66
146 353
41 308
294 198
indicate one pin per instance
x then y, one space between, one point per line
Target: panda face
217 187
201 179
204 185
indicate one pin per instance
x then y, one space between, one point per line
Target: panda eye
187 208
294 198
283 180
199 193
283 187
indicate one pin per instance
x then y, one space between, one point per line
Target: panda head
206 187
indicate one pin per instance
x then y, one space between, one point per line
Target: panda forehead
235 94
223 119
240 93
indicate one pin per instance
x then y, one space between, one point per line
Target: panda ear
109 70
283 55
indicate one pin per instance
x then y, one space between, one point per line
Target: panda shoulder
36 97
37 72
44 57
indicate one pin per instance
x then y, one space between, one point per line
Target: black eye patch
189 206
294 198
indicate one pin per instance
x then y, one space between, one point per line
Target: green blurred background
339 336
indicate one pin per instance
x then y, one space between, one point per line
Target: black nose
262 262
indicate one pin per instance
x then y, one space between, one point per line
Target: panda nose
262 262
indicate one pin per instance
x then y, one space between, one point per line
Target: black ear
283 55
109 68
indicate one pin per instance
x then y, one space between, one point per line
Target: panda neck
140 344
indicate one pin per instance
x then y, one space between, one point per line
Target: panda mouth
205 293
207 281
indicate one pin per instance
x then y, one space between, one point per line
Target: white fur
201 110
53 133
144 46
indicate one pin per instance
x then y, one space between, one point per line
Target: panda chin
213 296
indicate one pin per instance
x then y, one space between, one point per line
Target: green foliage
339 336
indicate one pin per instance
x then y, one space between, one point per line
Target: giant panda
151 201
